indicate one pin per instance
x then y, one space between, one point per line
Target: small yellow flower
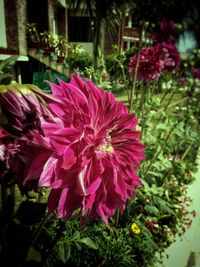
135 229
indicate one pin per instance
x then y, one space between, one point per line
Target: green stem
143 126
163 97
173 104
144 117
187 150
37 232
39 195
134 81
167 105
117 218
135 71
59 233
170 99
125 81
152 90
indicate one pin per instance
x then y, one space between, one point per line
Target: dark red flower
152 225
150 66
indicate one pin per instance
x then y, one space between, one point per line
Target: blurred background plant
6 69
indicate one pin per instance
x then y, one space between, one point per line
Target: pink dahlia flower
169 56
96 150
150 66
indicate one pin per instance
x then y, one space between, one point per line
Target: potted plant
33 35
48 42
61 48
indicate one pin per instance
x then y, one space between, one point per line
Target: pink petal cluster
96 150
168 55
150 67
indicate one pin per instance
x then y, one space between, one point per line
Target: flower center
106 148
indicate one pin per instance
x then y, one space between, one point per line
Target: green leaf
162 126
155 190
64 252
6 64
34 255
151 209
164 206
88 242
30 213
5 78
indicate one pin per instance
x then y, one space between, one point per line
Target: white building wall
3 41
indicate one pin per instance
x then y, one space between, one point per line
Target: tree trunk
98 35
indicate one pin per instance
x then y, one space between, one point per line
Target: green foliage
78 59
5 69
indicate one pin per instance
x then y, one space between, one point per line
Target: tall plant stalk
98 35
132 91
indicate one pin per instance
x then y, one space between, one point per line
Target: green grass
177 98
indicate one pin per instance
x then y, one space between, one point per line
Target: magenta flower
150 66
96 150
169 56
196 73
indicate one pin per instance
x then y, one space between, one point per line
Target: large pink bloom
96 151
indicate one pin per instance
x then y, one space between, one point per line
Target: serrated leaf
34 255
64 252
155 190
151 209
88 242
162 126
164 206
